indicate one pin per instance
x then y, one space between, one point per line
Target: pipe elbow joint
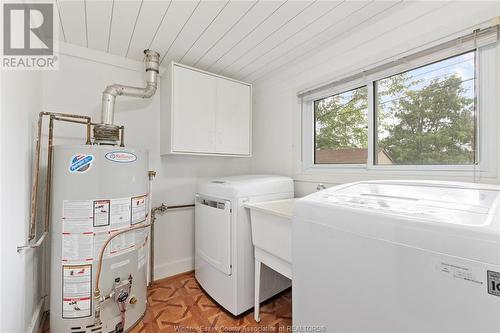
150 90
152 64
113 90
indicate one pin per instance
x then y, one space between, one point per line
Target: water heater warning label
101 213
87 225
78 247
99 239
77 291
139 207
122 243
120 213
77 216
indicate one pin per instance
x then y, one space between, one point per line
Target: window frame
314 125
486 137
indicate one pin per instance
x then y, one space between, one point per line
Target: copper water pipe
76 121
34 186
50 151
151 176
97 292
48 179
36 168
162 208
66 117
89 122
122 136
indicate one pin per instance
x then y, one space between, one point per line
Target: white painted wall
277 121
21 273
76 88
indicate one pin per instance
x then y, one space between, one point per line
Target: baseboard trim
169 269
36 319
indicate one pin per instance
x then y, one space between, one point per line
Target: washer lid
463 204
458 219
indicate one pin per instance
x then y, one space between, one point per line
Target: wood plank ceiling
246 40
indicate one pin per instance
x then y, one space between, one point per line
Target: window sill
338 174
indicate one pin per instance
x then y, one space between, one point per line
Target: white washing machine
224 262
398 256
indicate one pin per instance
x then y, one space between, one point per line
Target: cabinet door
193 111
233 123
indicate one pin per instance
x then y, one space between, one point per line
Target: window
341 128
427 115
433 111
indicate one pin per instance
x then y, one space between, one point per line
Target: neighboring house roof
348 156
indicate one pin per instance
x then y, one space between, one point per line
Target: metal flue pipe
107 132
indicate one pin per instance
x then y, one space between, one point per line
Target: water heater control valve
121 289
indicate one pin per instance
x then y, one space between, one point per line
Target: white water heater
98 191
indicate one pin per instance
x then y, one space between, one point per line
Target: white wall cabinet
205 114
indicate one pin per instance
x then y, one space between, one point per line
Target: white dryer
398 256
224 256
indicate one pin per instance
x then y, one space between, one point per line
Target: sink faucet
320 187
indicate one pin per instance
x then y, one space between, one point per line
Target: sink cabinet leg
257 291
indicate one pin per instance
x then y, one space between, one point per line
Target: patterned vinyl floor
178 304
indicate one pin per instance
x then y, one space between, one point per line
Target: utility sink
272 228
272 239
